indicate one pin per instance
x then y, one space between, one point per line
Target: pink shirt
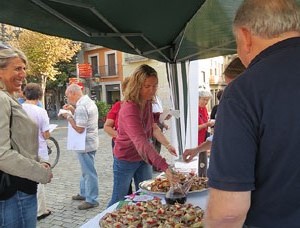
134 134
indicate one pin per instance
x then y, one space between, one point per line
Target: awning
174 32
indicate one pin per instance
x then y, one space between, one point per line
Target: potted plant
103 109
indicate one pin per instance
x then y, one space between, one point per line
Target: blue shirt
256 144
21 100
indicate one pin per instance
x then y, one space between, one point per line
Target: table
195 198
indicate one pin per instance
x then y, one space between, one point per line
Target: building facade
110 67
107 72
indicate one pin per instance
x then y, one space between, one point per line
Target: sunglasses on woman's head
4 46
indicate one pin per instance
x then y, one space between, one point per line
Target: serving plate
145 186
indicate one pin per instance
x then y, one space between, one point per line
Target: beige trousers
41 199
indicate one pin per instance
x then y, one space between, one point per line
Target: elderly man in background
85 118
254 171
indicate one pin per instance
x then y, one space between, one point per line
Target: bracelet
168 146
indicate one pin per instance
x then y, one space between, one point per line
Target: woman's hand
171 149
211 123
168 117
47 166
172 176
189 154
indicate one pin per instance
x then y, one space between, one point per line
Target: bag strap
10 121
5 177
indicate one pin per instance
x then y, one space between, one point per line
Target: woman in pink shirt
134 152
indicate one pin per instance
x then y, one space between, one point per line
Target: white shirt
40 117
210 138
157 105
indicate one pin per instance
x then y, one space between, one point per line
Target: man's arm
226 209
73 124
189 154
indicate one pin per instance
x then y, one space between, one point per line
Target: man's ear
246 37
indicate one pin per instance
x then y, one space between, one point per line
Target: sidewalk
65 182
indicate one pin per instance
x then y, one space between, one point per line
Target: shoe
86 205
78 197
44 215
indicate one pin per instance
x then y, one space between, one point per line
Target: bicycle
53 151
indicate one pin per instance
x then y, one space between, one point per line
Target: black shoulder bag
5 177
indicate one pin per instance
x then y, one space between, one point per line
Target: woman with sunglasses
18 147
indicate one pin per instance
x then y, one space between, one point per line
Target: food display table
195 198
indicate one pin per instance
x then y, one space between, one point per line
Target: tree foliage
44 54
66 70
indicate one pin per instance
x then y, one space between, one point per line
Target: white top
157 105
210 138
40 117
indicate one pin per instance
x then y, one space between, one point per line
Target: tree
66 70
44 53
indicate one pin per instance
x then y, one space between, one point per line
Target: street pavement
65 182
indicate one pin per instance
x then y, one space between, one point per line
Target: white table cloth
195 198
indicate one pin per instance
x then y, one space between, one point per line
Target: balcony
129 58
106 71
90 47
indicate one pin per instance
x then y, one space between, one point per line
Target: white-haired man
85 118
254 170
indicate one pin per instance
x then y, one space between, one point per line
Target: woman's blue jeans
89 177
19 211
124 171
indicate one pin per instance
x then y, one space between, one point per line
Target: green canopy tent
174 32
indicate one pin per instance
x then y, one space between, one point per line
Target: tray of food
154 214
160 184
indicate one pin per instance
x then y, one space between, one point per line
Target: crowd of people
253 171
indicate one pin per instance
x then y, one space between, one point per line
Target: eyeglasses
65 99
4 46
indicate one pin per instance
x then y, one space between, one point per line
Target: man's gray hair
74 88
204 93
268 18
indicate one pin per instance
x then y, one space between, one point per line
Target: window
110 62
94 63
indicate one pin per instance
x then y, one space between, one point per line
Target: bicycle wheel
53 151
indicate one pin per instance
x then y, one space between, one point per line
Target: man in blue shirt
254 170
